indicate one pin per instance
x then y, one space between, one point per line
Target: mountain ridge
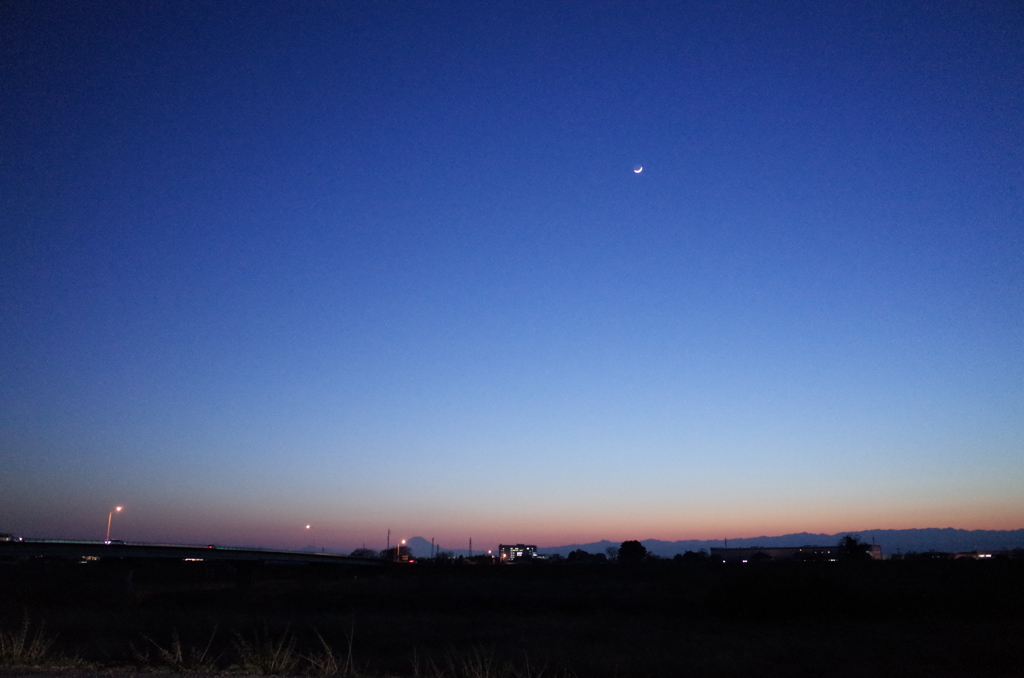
891 541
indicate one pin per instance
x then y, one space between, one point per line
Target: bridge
36 548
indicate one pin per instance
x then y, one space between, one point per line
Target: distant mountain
891 541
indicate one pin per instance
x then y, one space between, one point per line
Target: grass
263 653
902 619
477 663
748 649
266 655
179 658
23 647
325 662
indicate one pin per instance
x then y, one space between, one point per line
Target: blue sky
375 265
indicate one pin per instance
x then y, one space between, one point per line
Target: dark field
943 618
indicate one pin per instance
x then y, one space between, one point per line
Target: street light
312 531
110 516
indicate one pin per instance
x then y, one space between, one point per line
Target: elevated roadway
21 550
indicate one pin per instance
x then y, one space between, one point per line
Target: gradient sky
372 265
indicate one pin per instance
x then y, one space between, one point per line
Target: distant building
510 553
1016 554
756 554
930 555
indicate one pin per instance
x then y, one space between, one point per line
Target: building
758 554
990 553
510 553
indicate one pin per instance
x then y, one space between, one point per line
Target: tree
632 552
852 549
581 556
612 552
364 553
578 556
692 557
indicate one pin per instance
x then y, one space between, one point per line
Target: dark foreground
948 618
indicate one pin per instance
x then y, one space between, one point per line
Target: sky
386 265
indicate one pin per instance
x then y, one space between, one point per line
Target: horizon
367 264
486 547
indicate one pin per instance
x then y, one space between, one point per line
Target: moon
637 169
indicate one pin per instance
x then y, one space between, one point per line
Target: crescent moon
638 169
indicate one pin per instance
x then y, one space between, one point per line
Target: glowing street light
312 531
110 516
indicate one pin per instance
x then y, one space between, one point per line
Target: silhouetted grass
24 646
326 662
265 654
178 657
905 619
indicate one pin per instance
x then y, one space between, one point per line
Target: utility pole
433 553
470 547
388 549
